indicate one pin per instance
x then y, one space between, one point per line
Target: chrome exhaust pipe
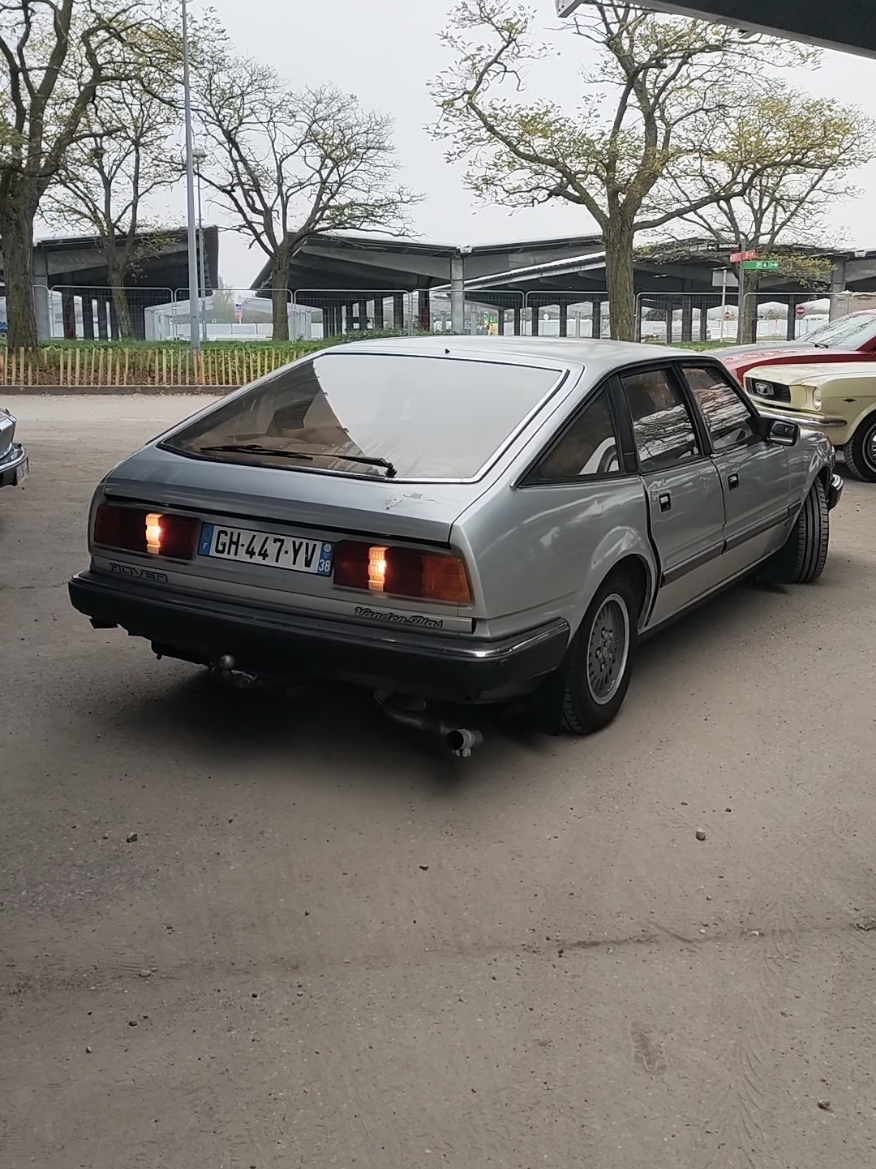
460 741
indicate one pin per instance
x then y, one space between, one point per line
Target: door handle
665 501
734 482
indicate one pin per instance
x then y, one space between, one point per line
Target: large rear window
415 417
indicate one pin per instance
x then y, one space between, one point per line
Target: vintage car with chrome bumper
14 464
836 401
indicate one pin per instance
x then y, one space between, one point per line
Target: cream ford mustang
838 401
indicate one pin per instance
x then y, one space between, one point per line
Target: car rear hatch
334 488
294 538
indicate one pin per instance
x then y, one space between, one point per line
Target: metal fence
77 312
669 317
158 315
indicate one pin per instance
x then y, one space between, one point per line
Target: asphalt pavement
241 931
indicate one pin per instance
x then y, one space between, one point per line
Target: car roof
598 356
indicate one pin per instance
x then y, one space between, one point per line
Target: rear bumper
11 466
454 668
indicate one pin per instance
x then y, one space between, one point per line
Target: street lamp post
200 157
194 328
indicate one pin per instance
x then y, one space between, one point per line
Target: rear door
685 501
754 473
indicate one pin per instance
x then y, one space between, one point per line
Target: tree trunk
119 292
748 310
279 294
620 281
117 274
16 244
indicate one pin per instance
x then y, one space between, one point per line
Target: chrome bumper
13 466
808 420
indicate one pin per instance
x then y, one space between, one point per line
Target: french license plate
291 552
22 473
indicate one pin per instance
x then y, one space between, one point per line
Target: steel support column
837 287
398 311
596 318
687 319
791 328
564 319
68 313
424 315
457 294
88 317
102 325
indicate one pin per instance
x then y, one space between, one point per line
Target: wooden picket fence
95 365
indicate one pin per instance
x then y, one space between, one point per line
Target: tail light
402 572
130 529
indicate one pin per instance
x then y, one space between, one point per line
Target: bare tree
794 155
654 79
54 57
125 153
291 164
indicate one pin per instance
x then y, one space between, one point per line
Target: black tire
802 559
592 697
860 453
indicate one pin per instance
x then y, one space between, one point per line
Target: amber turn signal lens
445 579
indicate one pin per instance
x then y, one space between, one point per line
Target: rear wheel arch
638 572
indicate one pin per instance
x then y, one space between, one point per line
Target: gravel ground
332 945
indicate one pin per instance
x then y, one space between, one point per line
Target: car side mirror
782 432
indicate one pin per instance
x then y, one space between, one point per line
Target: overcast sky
385 51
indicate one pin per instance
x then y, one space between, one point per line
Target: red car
850 338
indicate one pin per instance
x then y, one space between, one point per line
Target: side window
727 417
662 425
588 447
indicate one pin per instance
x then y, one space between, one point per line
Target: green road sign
761 265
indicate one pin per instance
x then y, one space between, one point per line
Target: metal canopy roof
849 25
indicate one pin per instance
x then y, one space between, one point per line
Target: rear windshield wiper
370 461
253 448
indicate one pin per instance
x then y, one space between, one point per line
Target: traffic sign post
740 314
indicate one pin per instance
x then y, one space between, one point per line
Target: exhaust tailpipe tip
461 741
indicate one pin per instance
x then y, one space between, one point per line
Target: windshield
849 332
374 414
